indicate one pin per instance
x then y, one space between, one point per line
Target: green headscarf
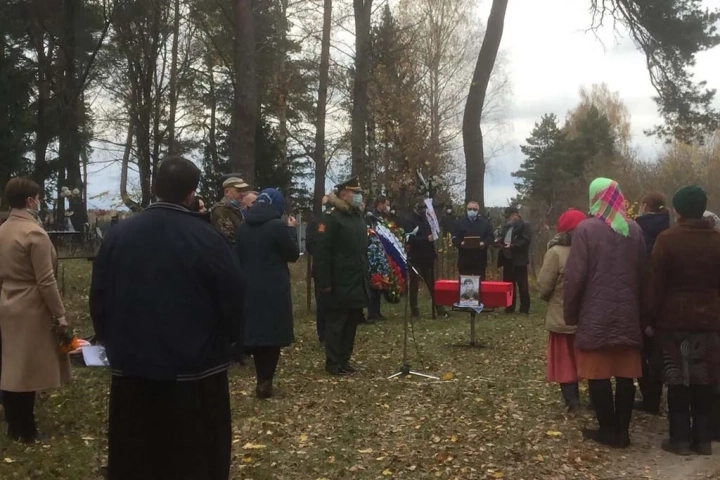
608 204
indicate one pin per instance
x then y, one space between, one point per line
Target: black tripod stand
405 368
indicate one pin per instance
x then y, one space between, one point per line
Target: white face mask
357 200
472 214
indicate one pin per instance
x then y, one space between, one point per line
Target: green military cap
352 183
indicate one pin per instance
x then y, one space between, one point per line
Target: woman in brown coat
30 306
684 301
602 297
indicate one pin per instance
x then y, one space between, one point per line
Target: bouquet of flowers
67 341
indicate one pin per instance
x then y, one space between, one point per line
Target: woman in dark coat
603 281
654 219
685 304
265 245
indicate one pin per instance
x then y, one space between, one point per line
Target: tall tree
245 107
472 131
363 17
321 111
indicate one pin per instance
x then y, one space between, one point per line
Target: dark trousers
340 331
690 413
319 315
613 411
651 386
518 276
266 361
20 414
167 430
374 307
427 272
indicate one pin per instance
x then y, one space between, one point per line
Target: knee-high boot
601 395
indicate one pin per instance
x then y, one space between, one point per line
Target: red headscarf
570 220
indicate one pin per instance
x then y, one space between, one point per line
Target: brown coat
550 284
29 300
603 281
684 291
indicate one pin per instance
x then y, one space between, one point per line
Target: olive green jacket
226 217
341 256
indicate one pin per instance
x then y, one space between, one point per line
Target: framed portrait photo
469 291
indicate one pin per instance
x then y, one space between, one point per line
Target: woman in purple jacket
602 297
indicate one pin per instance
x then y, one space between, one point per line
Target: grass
491 416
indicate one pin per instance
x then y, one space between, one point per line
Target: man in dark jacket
310 244
341 273
379 214
472 255
166 288
514 257
421 255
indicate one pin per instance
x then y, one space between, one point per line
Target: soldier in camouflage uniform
341 273
226 215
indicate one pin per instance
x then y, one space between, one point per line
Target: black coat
422 250
166 290
652 225
265 245
519 253
472 259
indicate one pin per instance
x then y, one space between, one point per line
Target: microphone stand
405 369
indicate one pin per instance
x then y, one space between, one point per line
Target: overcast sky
550 56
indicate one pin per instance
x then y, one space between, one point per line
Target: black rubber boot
680 434
702 434
624 401
571 395
601 396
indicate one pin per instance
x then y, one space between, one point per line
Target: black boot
716 417
264 390
702 434
571 395
679 441
624 401
601 396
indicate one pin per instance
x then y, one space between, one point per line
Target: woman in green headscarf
684 301
602 297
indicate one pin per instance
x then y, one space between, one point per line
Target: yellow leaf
366 450
553 433
303 438
387 473
447 376
8 460
253 446
247 459
540 458
454 438
498 475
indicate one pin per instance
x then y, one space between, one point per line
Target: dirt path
647 461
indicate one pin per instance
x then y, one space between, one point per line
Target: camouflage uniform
226 216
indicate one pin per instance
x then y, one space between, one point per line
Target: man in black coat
515 239
310 243
166 290
421 255
472 254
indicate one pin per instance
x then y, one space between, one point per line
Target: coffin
492 294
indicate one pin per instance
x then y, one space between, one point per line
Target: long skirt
689 358
561 365
169 430
618 362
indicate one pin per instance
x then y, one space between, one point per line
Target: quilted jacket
603 279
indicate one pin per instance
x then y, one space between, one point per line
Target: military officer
226 215
341 273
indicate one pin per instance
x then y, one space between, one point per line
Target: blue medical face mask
357 200
472 214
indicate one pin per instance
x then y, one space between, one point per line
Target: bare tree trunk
212 134
245 109
172 148
358 138
319 154
472 132
41 169
282 86
129 202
